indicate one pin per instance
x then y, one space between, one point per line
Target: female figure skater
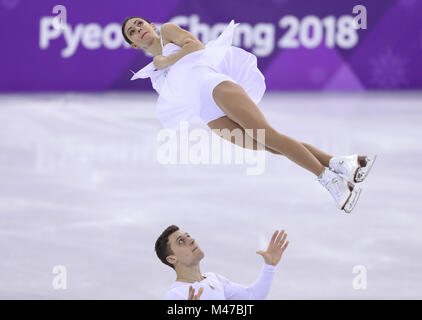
220 85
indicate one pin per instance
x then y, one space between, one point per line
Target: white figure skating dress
185 88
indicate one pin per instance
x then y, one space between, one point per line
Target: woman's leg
225 123
322 157
235 102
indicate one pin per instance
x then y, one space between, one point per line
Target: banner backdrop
300 44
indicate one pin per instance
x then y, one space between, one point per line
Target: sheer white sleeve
257 291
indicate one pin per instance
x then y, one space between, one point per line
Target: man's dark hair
124 26
162 246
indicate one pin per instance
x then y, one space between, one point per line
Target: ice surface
80 186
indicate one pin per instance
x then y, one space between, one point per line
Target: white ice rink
80 186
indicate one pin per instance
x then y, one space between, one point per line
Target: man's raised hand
275 248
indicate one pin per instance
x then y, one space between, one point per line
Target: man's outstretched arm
261 287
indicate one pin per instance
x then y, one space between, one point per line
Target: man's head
138 32
175 247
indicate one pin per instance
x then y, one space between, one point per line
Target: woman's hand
275 248
160 62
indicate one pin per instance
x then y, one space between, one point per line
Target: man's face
140 32
185 249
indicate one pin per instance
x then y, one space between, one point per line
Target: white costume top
217 287
185 88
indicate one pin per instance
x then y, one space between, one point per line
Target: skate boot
349 167
344 193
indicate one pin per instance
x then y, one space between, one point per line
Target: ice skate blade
363 172
354 197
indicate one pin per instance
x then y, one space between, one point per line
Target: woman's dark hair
162 246
124 26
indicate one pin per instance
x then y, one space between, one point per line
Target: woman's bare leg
323 158
225 122
235 102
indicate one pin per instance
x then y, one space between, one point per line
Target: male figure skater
181 252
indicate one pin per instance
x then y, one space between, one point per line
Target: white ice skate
349 167
344 192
